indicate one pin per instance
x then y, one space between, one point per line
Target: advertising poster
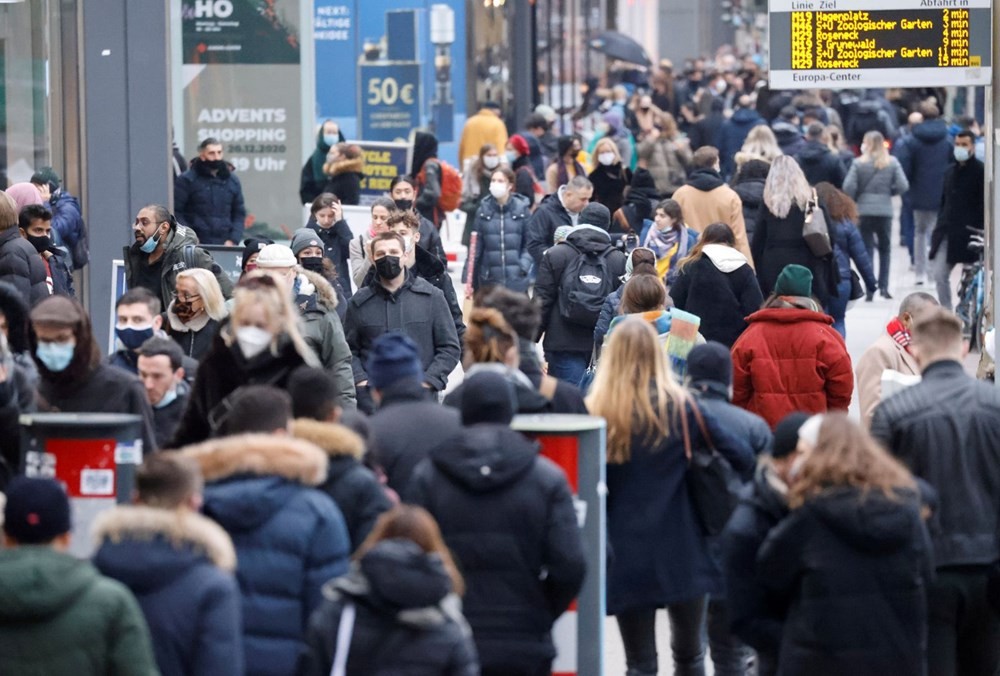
383 162
242 85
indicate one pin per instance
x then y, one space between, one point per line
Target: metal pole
992 196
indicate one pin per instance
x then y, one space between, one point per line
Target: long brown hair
643 293
846 455
416 524
716 233
634 390
488 337
838 205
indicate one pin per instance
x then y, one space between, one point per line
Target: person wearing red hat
519 158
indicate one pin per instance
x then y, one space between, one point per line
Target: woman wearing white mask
501 256
609 177
476 184
259 345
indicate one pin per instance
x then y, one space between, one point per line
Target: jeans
568 366
878 228
923 226
962 627
638 630
836 307
729 655
907 224
941 272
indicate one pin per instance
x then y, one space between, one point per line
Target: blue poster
388 100
335 26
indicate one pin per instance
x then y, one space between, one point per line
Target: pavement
865 323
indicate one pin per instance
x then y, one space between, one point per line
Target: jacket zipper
503 252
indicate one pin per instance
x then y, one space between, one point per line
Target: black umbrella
620 46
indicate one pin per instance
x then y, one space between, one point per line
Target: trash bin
94 456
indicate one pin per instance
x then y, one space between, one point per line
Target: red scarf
899 333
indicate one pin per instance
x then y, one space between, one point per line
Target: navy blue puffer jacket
847 247
290 538
502 252
210 205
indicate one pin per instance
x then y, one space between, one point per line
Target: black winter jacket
195 340
210 205
778 242
336 239
560 334
722 299
756 614
946 429
961 208
21 266
820 164
542 225
529 397
610 184
173 261
855 569
507 515
925 156
354 487
418 309
407 622
751 194
397 448
502 250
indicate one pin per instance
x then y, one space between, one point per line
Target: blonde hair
209 290
761 144
8 211
846 455
634 390
786 185
612 147
874 150
260 289
668 125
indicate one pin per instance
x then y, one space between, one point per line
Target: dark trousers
729 655
907 227
878 228
963 629
638 630
542 669
567 366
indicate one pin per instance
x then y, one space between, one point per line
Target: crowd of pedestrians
319 495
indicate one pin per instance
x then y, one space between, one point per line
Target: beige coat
885 353
721 205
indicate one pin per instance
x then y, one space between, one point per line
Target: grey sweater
873 188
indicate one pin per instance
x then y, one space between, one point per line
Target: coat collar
261 455
336 440
907 358
179 527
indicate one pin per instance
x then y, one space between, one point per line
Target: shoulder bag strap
702 426
345 632
685 432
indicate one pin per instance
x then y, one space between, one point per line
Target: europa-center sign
839 44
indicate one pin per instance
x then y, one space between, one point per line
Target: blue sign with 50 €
389 100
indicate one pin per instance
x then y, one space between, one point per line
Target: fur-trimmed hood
260 455
336 440
181 529
345 166
325 295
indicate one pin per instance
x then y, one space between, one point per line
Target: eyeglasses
184 297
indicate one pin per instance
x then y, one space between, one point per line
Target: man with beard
163 247
209 198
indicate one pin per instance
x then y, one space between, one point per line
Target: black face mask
41 244
388 267
312 263
404 205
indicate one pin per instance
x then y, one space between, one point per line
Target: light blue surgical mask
962 154
55 356
511 156
168 398
330 139
149 246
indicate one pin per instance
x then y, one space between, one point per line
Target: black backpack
584 285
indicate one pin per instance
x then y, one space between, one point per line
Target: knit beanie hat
394 357
37 510
252 245
711 361
595 214
303 238
786 434
794 280
561 233
24 194
488 398
520 144
276 256
47 175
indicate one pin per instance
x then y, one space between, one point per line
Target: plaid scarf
899 333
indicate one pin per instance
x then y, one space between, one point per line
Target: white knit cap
276 256
809 432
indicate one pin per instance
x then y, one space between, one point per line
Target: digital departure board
838 44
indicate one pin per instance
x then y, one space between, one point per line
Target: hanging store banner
242 86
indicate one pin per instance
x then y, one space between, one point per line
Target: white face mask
607 159
961 154
491 161
498 190
252 340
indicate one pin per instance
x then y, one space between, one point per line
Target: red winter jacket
791 360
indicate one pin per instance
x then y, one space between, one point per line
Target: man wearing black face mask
209 198
403 191
137 319
397 300
35 222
